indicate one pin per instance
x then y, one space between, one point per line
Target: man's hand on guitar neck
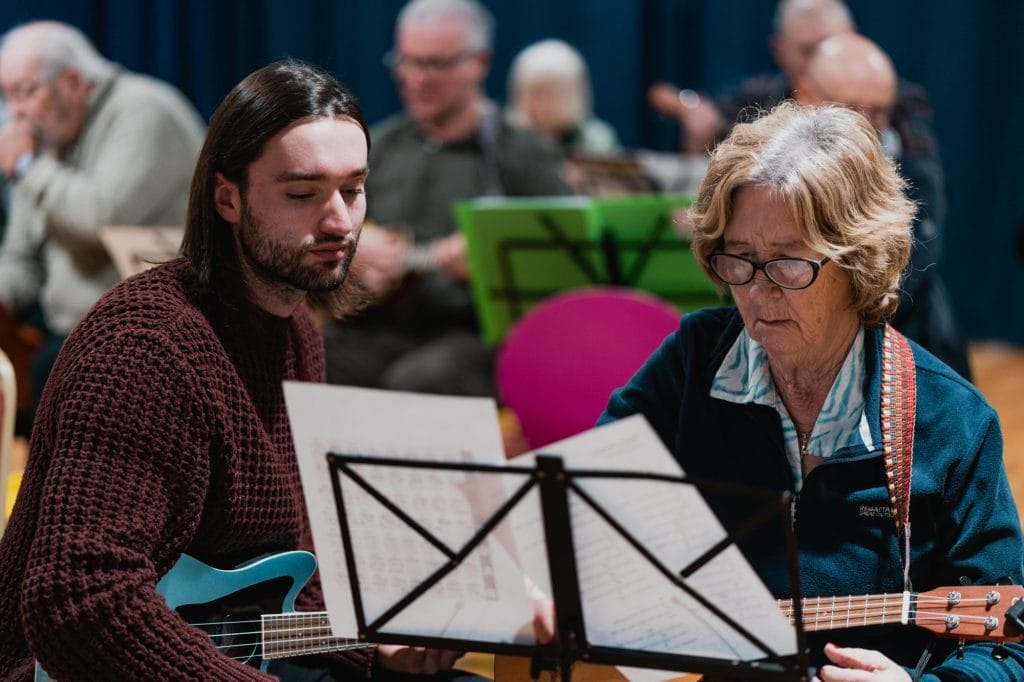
858 665
447 255
416 660
386 256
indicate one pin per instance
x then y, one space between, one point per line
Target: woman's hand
859 665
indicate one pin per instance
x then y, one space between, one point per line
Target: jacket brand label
883 511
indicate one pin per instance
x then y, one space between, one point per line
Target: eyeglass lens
405 64
789 273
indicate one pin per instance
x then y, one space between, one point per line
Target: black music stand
554 483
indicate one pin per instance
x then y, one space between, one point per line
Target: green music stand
522 250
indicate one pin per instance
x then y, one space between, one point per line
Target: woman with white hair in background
549 92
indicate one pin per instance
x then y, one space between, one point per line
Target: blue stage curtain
968 55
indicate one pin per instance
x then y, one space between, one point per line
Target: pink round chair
563 358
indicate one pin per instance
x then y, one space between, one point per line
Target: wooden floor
999 373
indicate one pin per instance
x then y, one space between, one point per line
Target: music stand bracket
554 482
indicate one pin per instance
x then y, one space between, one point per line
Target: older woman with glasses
803 387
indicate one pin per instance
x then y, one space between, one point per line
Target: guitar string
277 653
249 657
843 609
873 601
928 615
871 611
944 600
289 640
255 645
311 633
260 648
876 609
241 622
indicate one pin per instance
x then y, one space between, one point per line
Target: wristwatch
22 165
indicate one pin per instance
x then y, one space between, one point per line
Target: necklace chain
804 439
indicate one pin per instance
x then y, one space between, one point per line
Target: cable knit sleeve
128 445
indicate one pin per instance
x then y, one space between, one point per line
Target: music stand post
554 484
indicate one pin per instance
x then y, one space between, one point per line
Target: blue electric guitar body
249 612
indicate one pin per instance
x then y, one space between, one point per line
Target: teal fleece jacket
964 525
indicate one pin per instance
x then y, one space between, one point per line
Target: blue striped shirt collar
744 377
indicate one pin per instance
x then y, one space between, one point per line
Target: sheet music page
484 597
626 602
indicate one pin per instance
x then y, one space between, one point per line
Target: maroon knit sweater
162 430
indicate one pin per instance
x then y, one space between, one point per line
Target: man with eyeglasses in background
448 144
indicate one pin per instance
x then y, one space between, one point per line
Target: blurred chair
562 359
20 341
8 400
136 248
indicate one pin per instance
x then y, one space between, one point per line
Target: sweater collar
244 318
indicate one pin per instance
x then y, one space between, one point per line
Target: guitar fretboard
420 259
830 613
298 634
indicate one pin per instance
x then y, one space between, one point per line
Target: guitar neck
832 613
974 612
300 633
420 259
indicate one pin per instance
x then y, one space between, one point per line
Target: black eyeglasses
788 273
403 63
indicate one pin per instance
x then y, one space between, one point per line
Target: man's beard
282 266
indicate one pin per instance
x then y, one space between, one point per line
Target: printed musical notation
484 596
628 601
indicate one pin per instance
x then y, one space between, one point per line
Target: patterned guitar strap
899 410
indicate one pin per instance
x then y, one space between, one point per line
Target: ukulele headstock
975 612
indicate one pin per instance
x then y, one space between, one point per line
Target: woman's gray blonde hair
556 61
846 197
